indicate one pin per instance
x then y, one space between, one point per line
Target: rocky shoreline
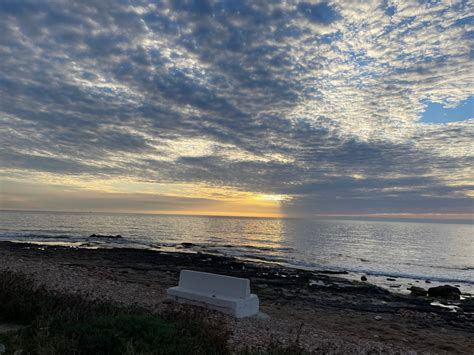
349 314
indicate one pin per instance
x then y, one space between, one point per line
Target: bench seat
230 295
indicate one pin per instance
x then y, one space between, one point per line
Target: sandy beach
327 311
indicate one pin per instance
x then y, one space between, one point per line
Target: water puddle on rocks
451 307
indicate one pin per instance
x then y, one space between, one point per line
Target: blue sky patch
436 113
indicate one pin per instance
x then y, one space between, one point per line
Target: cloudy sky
237 107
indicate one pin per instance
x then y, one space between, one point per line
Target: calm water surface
410 251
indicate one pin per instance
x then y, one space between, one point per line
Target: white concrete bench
227 294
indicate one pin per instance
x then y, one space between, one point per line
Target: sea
391 253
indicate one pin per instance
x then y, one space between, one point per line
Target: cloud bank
317 102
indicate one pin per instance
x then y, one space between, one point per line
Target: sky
246 108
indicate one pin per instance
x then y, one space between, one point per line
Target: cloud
33 195
317 101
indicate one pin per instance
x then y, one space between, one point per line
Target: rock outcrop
447 292
418 291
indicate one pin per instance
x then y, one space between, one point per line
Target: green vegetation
121 333
66 324
59 324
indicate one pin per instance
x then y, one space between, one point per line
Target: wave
462 268
417 276
10 235
361 270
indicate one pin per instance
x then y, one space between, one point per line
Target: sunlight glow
117 193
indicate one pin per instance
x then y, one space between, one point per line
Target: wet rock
363 278
417 291
468 305
118 236
187 245
428 281
317 283
391 279
447 292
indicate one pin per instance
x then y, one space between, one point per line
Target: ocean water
410 251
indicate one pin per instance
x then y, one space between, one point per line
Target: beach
320 308
413 252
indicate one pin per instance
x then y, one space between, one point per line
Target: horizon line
435 216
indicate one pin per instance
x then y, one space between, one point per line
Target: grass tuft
69 324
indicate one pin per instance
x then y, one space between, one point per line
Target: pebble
244 332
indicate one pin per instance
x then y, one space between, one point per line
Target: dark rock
118 236
428 281
447 292
417 291
391 279
363 278
468 305
187 245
